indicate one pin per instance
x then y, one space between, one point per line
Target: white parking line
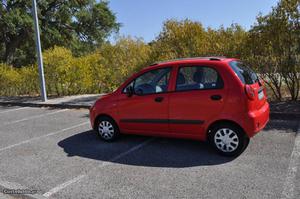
33 117
15 109
289 185
109 162
62 186
43 136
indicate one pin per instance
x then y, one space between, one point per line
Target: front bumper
92 116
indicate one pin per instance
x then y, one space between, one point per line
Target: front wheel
228 139
107 129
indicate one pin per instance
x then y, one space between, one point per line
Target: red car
216 99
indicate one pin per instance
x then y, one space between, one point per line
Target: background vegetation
91 65
79 25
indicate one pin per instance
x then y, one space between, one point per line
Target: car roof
192 60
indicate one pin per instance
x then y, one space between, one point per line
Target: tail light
262 82
250 92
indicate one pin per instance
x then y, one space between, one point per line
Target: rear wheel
107 128
228 139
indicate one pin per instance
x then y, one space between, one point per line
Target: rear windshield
245 74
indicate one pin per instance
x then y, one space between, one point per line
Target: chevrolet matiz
219 100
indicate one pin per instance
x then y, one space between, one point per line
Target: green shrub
10 80
18 81
106 68
30 80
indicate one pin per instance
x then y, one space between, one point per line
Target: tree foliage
124 58
80 25
274 46
271 47
189 39
100 71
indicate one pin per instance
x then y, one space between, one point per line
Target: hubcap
106 130
226 140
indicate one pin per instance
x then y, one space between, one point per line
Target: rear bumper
257 120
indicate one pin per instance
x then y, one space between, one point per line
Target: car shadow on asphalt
161 152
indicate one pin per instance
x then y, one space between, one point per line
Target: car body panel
185 114
143 114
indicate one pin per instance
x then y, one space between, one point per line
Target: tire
228 139
107 129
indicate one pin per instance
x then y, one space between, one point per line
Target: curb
284 116
273 115
62 106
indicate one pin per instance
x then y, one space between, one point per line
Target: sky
144 18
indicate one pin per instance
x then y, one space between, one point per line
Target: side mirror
129 91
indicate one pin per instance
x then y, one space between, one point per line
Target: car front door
198 97
146 111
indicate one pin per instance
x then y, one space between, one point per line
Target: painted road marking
33 117
289 185
62 186
109 162
16 109
43 136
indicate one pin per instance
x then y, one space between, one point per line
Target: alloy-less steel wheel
107 129
228 139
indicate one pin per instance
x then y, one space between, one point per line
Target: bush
122 59
57 66
15 81
106 68
10 80
101 71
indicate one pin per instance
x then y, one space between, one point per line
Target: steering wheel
144 89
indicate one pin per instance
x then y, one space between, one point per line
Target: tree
126 56
81 25
179 39
274 41
187 38
227 42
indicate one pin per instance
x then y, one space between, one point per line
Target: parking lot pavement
5 109
55 152
5 196
297 179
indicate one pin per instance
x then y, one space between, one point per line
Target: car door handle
216 97
158 99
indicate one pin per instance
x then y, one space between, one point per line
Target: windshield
245 74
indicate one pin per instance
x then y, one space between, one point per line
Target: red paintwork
235 106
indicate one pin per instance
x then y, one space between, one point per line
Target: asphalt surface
55 153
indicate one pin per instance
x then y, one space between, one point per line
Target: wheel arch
99 116
223 121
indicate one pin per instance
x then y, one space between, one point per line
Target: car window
197 78
245 74
154 81
164 80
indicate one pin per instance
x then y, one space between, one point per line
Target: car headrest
197 77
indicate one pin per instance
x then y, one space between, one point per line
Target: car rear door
198 97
